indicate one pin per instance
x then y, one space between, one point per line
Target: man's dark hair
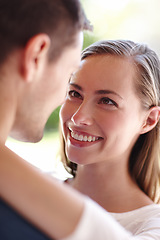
22 19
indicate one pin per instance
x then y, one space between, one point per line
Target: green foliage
53 121
89 38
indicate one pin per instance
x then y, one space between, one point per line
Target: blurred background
137 20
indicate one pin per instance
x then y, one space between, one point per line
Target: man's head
20 20
41 42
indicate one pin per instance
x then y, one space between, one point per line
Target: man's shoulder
13 226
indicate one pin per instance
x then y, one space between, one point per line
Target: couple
110 127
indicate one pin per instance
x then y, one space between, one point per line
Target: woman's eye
107 101
74 94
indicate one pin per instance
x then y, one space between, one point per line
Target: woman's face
102 116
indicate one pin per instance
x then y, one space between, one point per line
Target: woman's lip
79 143
79 132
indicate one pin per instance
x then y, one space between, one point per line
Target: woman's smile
82 139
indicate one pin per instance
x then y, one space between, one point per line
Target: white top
97 224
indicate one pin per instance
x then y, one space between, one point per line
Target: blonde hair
144 164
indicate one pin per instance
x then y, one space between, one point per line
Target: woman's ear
34 54
151 120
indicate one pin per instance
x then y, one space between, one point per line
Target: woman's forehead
104 68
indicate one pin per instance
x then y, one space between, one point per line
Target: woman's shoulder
141 219
151 209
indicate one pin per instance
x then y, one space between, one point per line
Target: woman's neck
110 186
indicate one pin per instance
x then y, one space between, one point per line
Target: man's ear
151 120
34 54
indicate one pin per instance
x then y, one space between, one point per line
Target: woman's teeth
83 138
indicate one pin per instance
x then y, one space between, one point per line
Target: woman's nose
82 116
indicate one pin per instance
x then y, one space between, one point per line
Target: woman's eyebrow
107 92
99 92
76 86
